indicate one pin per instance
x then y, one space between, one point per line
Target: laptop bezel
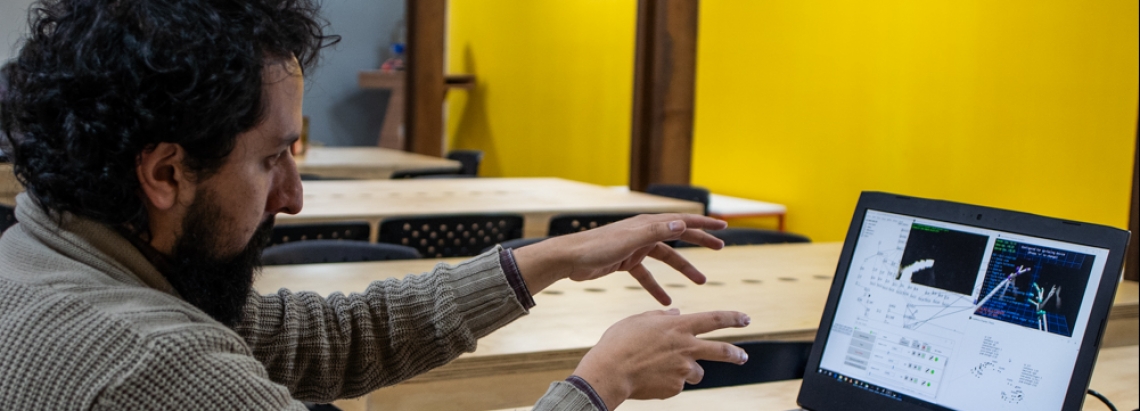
821 393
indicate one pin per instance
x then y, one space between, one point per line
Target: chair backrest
682 192
421 173
318 177
341 230
751 236
573 223
470 160
767 361
518 243
7 217
334 251
451 235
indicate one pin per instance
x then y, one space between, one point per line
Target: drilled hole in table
714 283
675 285
822 277
751 281
787 279
633 287
595 290
552 292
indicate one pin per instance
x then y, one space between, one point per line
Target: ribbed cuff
515 279
585 387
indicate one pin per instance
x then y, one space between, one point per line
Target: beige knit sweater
86 322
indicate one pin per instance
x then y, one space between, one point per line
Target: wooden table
728 207
537 199
1115 376
9 185
365 163
783 288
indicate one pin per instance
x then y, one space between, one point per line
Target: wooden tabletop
364 163
537 199
783 288
1115 376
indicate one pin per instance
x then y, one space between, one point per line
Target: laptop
944 306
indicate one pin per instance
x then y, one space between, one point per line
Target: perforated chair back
451 235
7 217
573 223
518 243
343 230
767 361
751 236
421 173
470 160
334 251
682 192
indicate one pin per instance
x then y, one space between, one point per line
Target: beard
202 275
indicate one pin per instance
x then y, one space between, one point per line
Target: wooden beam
424 91
663 89
1132 256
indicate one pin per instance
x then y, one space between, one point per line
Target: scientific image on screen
941 258
1035 287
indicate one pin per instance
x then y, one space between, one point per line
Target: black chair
439 176
426 173
451 235
7 217
346 230
573 223
517 243
334 251
767 361
682 192
751 236
318 177
470 160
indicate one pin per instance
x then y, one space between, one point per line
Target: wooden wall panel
1132 258
664 82
423 125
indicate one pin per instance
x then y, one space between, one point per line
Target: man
153 138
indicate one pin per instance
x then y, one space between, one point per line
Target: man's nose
287 195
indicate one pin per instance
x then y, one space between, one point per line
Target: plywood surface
1115 376
783 287
366 162
537 199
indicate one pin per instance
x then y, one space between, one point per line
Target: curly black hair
97 82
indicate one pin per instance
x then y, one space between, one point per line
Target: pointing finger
701 323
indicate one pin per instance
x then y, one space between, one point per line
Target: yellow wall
554 81
1026 105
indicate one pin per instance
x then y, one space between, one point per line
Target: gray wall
340 113
13 23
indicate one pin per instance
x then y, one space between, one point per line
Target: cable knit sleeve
323 349
202 370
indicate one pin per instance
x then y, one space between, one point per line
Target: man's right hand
652 355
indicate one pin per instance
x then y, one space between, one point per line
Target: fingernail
743 357
673 311
746 320
676 225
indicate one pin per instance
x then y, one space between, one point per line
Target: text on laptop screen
963 317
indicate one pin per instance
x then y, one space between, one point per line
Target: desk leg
781 219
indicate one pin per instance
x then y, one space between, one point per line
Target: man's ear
162 176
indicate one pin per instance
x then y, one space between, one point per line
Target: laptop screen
961 317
